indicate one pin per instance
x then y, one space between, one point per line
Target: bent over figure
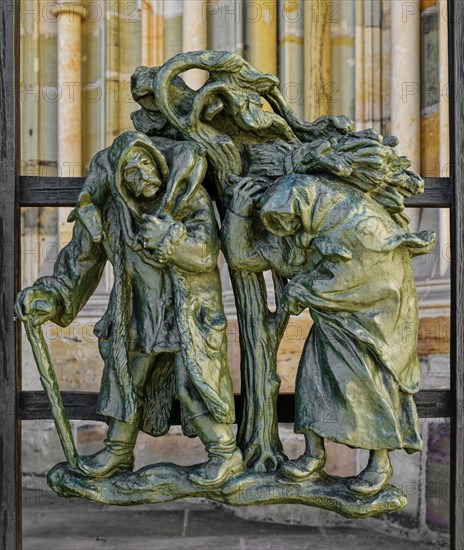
348 261
163 334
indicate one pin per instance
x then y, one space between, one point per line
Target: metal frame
17 191
456 78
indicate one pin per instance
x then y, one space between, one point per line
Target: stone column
405 81
194 37
113 93
317 54
343 59
69 16
152 33
30 141
261 15
226 21
444 153
291 60
368 65
444 90
130 56
93 69
172 14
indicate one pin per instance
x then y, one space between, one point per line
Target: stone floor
51 523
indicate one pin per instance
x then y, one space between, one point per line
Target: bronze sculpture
349 263
147 323
319 205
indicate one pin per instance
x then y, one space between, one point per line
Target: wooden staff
51 388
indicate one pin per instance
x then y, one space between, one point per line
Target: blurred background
381 62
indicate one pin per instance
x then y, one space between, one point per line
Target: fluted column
317 53
93 69
225 21
194 37
152 33
69 15
30 143
172 14
405 81
261 15
112 63
444 137
343 57
291 59
386 67
368 64
444 90
130 56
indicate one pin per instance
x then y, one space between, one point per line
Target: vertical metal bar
456 67
10 381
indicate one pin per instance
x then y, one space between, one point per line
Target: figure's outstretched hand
37 304
246 195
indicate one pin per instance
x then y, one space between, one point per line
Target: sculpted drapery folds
347 261
163 334
317 204
227 118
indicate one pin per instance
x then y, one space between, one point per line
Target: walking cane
52 390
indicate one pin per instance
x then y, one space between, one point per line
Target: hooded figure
348 261
163 335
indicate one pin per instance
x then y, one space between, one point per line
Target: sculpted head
140 170
140 174
286 206
283 224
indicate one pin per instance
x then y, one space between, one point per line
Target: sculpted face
141 176
290 224
282 224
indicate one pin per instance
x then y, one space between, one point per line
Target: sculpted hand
291 299
151 231
320 155
333 126
246 195
36 303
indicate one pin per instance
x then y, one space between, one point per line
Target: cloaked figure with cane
163 335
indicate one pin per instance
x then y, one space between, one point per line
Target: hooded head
140 170
286 208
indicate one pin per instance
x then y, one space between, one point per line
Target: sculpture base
165 482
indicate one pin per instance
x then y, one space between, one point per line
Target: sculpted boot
225 458
118 454
312 461
375 476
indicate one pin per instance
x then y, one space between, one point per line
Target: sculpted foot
369 482
218 469
374 477
303 467
107 462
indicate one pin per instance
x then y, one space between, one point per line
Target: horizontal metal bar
49 191
437 194
55 191
83 406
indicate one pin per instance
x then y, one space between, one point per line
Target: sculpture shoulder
202 202
99 163
97 179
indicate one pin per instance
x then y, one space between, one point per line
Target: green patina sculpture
319 205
